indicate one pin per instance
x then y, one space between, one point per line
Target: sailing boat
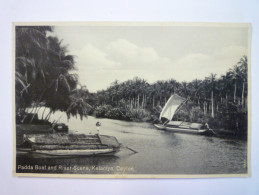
172 106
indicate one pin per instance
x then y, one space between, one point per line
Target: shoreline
44 128
223 133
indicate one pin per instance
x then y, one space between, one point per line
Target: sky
184 53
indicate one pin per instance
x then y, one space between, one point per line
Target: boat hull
68 145
160 126
90 152
181 130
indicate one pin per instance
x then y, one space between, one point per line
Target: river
159 152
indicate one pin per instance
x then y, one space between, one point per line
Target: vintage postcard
131 100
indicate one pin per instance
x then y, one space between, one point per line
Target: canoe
183 127
61 144
186 130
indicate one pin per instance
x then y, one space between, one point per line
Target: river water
159 152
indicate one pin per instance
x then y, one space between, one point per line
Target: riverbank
117 114
126 114
221 126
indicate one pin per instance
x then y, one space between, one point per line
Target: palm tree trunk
143 99
48 114
32 109
35 112
235 91
243 93
153 101
138 102
39 100
212 105
146 101
226 99
43 113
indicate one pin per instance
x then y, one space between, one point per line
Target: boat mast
180 107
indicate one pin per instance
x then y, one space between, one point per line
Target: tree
30 58
211 85
79 104
42 70
243 68
235 74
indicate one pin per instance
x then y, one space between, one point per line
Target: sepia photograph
131 100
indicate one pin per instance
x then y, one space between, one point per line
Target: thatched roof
62 139
71 139
109 140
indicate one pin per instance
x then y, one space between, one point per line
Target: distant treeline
221 101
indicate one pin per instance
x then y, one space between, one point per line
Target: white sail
171 106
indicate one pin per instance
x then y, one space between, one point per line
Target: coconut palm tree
211 86
235 75
42 70
243 68
79 103
30 57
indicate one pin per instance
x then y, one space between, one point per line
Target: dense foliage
221 101
44 78
43 74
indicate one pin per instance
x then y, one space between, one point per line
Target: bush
196 114
113 113
138 115
101 111
121 113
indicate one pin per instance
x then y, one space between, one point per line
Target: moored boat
171 107
61 144
160 126
60 127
